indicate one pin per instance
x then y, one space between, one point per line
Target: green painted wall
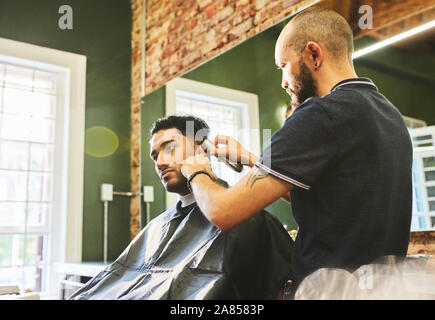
153 108
102 32
406 78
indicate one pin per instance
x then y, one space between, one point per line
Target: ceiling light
394 39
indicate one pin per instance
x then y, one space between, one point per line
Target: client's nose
161 163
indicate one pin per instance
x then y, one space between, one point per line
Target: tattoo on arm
255 175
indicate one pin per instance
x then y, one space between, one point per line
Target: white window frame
217 92
67 231
418 154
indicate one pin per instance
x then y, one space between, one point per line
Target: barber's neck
327 77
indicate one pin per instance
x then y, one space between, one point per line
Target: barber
343 157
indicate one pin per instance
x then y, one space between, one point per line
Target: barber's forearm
210 198
252 160
217 203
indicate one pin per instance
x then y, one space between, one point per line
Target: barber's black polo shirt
348 156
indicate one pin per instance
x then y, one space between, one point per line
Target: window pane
429 162
429 175
11 275
40 186
45 82
33 277
28 103
19 78
5 251
38 213
17 101
41 157
15 127
418 192
14 155
422 222
416 170
13 185
183 105
12 249
414 223
417 176
42 130
430 191
431 205
432 222
420 206
419 138
31 249
14 275
12 214
30 278
416 164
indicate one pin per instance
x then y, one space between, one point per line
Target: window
423 176
422 137
41 114
226 111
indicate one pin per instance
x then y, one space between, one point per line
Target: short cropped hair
321 25
180 123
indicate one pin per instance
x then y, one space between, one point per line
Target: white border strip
283 177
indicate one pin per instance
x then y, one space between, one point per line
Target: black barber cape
181 255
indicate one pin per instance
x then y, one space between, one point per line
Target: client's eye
170 148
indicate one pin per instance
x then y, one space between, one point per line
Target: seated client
180 254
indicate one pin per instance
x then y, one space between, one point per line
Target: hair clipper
210 146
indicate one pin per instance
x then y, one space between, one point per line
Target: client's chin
174 186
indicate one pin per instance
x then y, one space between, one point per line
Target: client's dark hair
180 123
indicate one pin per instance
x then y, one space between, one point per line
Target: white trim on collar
354 82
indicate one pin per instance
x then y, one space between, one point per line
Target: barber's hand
233 151
195 163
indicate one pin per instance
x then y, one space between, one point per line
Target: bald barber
343 157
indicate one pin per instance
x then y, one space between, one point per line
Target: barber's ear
314 55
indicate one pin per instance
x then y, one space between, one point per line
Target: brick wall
135 115
422 242
181 34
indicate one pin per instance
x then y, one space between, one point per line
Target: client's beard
305 86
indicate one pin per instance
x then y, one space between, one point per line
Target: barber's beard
305 86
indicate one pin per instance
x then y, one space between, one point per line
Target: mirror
402 71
